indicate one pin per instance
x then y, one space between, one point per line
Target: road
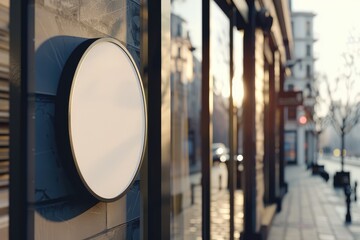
332 166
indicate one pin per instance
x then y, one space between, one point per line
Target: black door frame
21 50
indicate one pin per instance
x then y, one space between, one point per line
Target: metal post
155 172
282 163
347 190
232 131
21 58
192 193
342 148
249 107
220 181
206 124
355 191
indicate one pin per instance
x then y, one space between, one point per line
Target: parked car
220 152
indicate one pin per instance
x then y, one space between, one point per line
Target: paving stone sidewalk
313 210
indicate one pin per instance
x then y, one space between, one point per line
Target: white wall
299 25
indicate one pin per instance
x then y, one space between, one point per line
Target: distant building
181 75
194 112
299 130
186 95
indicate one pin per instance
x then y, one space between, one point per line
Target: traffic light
302 120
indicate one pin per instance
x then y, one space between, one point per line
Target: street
333 165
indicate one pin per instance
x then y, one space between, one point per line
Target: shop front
118 108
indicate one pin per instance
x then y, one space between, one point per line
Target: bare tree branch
344 104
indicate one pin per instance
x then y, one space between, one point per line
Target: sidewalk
187 224
313 210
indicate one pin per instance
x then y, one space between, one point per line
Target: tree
344 104
318 117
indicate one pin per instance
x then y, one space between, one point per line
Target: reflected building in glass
185 129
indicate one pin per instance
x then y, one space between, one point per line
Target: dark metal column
206 124
21 49
249 145
232 130
155 173
272 134
282 164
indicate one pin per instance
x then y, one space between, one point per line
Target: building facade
191 57
299 129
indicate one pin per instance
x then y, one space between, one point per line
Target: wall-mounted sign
102 99
287 99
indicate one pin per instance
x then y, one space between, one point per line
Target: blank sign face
107 119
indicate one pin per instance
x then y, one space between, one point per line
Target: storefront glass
238 94
220 77
186 59
290 146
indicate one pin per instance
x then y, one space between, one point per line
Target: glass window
308 50
186 160
220 76
290 146
291 113
308 28
238 94
308 71
291 87
179 30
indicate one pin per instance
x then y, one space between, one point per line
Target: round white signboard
107 119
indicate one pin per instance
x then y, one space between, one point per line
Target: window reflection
220 75
238 94
185 120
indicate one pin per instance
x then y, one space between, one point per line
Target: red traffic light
302 120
